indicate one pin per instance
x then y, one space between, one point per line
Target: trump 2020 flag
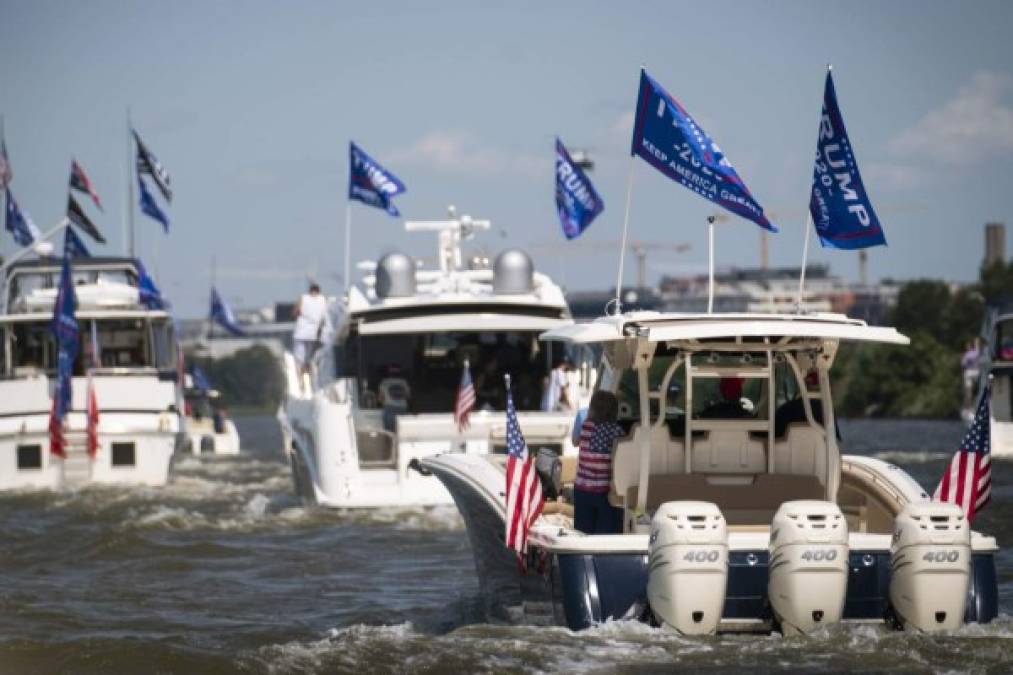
667 138
150 207
223 316
73 247
840 207
147 291
577 202
370 183
64 328
19 223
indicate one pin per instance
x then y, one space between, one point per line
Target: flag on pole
19 223
79 181
64 328
96 350
222 314
524 498
577 202
968 479
6 172
148 293
150 207
73 247
200 380
839 205
149 164
670 140
465 401
370 183
93 418
77 217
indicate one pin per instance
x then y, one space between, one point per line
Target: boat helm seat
802 452
749 500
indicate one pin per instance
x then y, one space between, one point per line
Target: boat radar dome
395 276
513 272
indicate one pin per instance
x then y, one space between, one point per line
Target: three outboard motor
930 566
687 566
808 569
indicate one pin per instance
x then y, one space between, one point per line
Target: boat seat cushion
750 500
667 456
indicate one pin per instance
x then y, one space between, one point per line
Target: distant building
995 243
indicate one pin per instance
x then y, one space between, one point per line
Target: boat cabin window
123 343
412 363
1002 349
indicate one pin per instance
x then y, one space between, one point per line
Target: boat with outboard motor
135 383
740 514
995 367
382 391
209 430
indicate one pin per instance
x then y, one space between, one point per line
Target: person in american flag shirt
592 512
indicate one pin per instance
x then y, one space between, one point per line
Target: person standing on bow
592 513
311 319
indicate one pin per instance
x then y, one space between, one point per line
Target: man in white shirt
311 319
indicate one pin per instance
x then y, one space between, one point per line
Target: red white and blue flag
6 173
524 498
79 181
91 405
465 401
968 480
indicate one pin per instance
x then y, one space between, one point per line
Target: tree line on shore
923 379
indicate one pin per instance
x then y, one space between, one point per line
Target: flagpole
622 248
348 245
805 261
710 264
130 189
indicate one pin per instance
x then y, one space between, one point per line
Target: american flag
524 499
6 174
465 401
91 409
968 480
79 181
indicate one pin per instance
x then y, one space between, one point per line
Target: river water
225 571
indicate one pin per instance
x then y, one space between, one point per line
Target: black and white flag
149 164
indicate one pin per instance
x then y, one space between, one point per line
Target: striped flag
524 499
149 164
968 480
92 414
6 173
465 401
79 181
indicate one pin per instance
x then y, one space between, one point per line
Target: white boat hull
202 439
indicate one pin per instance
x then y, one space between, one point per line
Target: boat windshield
30 348
425 369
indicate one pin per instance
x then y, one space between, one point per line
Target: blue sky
250 106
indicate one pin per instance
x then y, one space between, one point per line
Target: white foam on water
903 457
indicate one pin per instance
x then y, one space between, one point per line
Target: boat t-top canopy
676 327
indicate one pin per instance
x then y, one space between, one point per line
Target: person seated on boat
311 319
731 405
218 417
592 512
793 411
556 397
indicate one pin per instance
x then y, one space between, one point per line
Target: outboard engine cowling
930 566
808 570
687 568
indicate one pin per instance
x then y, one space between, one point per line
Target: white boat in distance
209 431
384 386
739 511
995 366
136 384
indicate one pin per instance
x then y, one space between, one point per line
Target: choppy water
224 571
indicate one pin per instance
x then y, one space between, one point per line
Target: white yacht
384 388
739 514
209 431
995 365
136 383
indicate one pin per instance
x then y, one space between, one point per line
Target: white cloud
972 126
459 152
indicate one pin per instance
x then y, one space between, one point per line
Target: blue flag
667 138
222 314
577 202
147 291
18 223
73 247
370 183
64 328
200 380
150 207
839 205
